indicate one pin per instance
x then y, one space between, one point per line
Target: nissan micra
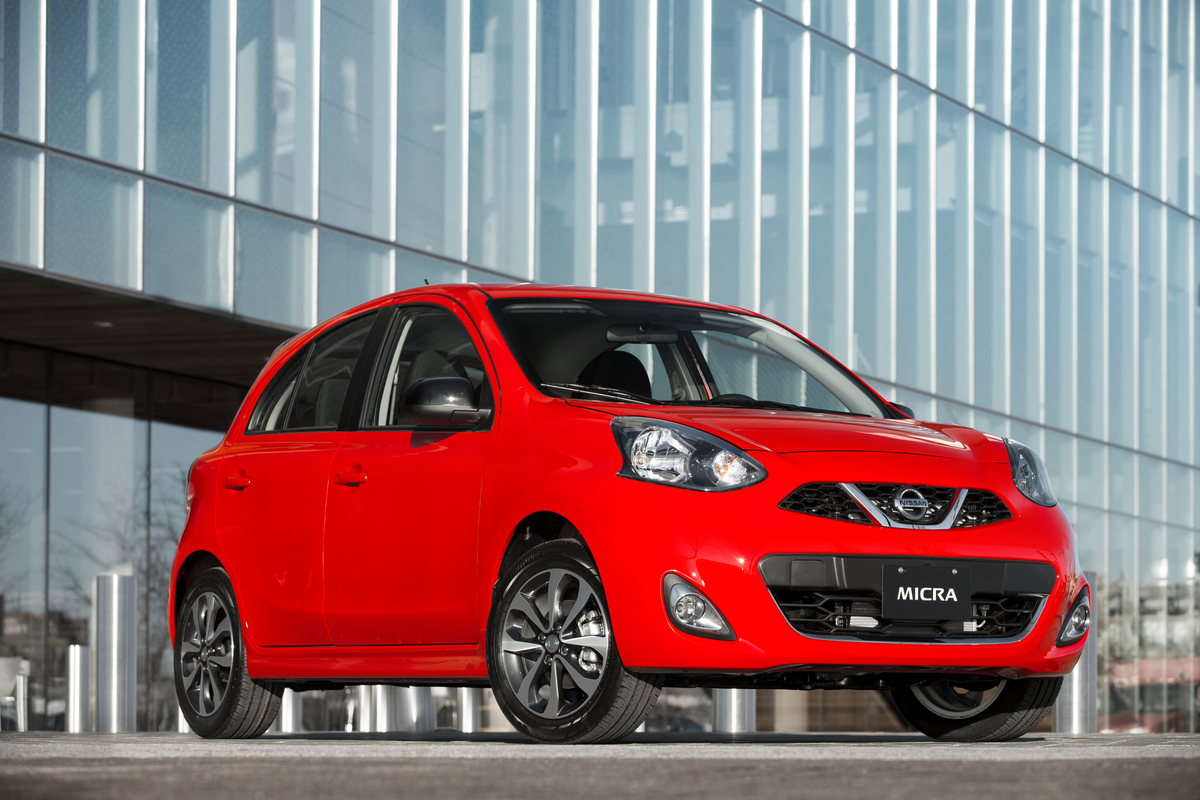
578 496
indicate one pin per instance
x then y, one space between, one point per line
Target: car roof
535 290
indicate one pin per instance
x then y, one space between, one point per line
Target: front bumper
640 532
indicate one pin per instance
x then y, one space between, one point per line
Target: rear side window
309 392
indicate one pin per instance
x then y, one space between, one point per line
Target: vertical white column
31 102
1136 125
385 68
1073 282
1073 13
964 244
1006 264
587 136
1039 337
925 42
523 147
1003 60
1190 199
222 97
886 136
308 106
457 152
750 53
131 95
842 106
1105 127
965 51
645 138
1164 130
1037 80
799 80
699 144
925 205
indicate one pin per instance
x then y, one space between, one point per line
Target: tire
563 691
216 694
964 713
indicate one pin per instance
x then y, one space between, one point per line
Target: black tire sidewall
563 554
1015 699
216 724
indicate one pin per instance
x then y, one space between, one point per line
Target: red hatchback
578 496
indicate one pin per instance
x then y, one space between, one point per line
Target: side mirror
904 410
443 401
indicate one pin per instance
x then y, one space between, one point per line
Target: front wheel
962 710
551 656
216 694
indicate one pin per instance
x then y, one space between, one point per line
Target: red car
578 496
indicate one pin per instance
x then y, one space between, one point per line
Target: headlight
676 455
1029 474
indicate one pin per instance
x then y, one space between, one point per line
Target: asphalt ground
693 766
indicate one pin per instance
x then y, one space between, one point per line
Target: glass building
988 208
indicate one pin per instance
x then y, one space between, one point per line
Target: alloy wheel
555 643
950 701
206 653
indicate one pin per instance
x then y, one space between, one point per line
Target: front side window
310 390
424 342
642 352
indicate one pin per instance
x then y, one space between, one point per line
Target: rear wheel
216 694
977 711
551 656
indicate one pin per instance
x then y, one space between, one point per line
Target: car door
403 512
271 488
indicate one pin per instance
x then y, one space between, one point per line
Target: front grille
831 501
980 508
825 500
883 496
858 614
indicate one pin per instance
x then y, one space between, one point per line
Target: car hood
806 432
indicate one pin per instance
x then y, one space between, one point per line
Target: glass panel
98 494
273 276
20 79
913 39
1151 488
873 254
1091 82
1026 80
1120 131
272 406
914 193
275 113
1121 480
1060 293
415 270
1117 640
726 157
1089 543
1179 494
325 380
1178 89
871 32
93 57
1179 305
1121 298
781 156
822 16
1151 409
1090 337
23 514
1152 625
1025 281
356 109
991 323
421 121
1150 162
92 222
671 179
826 152
20 204
1180 713
952 35
1059 35
188 85
350 271
1060 461
989 59
953 257
189 247
556 143
1092 473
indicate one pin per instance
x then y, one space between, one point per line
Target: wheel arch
534 529
192 567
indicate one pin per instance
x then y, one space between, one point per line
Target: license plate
926 592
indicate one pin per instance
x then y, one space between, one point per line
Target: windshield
639 352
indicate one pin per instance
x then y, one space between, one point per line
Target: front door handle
236 482
350 478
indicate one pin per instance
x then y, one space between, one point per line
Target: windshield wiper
749 402
600 391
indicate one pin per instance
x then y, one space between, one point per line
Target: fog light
692 612
1078 620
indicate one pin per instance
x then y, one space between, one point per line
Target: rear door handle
236 482
350 478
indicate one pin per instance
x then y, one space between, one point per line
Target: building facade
990 209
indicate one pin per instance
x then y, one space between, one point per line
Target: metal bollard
116 653
415 710
181 723
364 708
22 697
78 684
470 703
291 712
1075 709
733 710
